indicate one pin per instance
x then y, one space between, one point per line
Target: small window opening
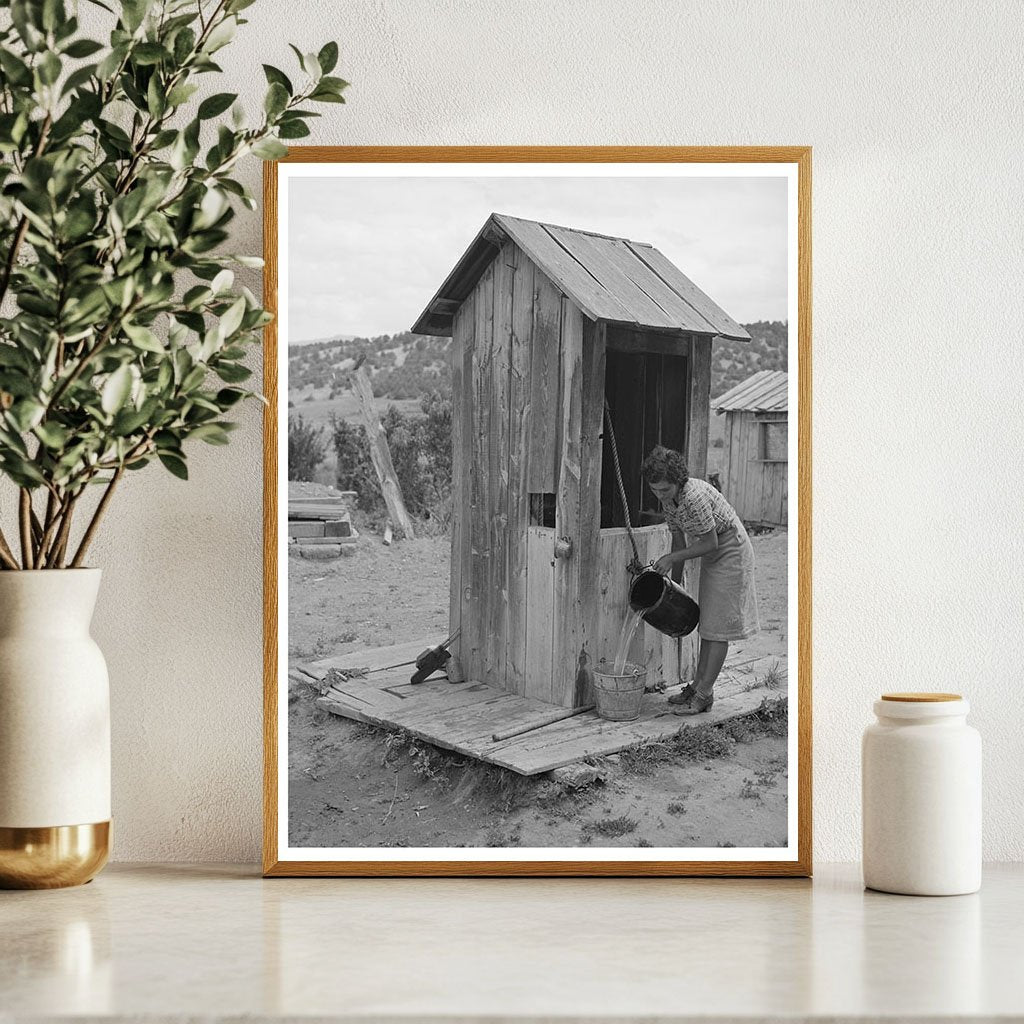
542 510
774 446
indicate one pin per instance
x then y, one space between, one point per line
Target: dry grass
608 828
707 742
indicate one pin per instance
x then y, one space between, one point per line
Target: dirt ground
355 785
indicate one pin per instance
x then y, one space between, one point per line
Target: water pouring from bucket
663 604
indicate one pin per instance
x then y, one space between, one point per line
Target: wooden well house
755 456
548 324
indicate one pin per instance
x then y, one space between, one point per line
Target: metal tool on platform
433 659
427 663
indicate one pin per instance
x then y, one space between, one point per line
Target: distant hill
407 365
734 361
319 341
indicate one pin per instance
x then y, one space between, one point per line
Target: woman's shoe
685 695
701 702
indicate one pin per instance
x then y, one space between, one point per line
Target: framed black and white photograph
537 511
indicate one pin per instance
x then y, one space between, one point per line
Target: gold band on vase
52 857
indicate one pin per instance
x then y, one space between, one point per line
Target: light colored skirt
728 593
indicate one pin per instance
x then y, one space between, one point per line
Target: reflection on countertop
179 941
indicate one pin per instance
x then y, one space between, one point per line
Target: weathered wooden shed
755 458
548 323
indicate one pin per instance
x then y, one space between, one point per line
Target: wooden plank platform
464 716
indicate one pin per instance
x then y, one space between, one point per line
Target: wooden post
380 453
697 463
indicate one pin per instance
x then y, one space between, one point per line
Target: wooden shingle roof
765 391
611 279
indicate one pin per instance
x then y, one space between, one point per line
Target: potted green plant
122 343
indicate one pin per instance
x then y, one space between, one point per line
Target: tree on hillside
306 449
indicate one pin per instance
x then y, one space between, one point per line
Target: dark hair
665 464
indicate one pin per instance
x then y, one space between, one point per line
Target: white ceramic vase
54 731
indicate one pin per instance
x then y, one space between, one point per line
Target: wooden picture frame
444 311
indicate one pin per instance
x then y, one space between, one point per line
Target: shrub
306 448
421 451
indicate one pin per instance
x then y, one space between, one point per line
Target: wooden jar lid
921 698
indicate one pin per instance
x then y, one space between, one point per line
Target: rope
635 567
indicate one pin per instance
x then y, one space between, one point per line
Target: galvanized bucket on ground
619 694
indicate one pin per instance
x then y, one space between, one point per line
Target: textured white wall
913 110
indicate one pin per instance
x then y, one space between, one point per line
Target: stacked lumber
323 523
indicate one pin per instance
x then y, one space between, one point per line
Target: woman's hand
666 564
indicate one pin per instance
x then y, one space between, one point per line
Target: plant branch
94 523
22 229
6 555
86 358
60 543
25 523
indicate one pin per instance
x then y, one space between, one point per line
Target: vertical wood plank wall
462 439
528 380
506 436
481 500
759 491
567 625
520 419
497 468
587 543
697 462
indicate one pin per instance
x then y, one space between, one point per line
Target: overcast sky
367 254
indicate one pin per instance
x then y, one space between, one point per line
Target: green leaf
78 78
83 48
222 281
53 14
276 99
144 338
227 397
211 433
174 464
16 70
21 471
328 57
128 421
49 68
232 319
276 76
221 35
269 149
293 130
216 104
181 94
193 379
25 414
232 373
133 13
184 44
334 84
53 435
149 53
156 100
116 390
109 65
324 96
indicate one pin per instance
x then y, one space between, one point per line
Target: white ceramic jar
921 788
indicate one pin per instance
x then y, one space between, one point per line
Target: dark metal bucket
664 604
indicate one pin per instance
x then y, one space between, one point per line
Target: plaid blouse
702 508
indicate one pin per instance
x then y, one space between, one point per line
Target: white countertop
180 941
